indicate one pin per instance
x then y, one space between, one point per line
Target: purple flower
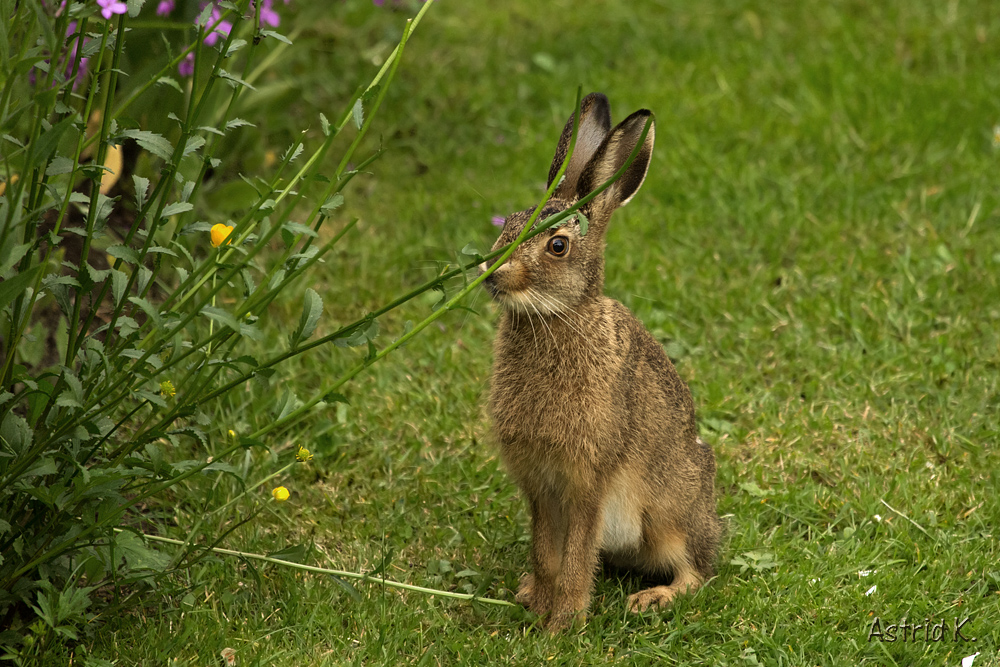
378 3
498 220
111 7
220 30
70 58
186 66
165 7
268 16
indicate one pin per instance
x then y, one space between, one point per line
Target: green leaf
138 555
277 36
335 201
233 80
14 287
312 308
584 223
325 124
45 145
193 144
238 122
141 188
334 397
470 249
222 316
152 142
175 208
299 229
15 434
348 588
43 467
295 554
358 113
14 255
124 253
147 308
235 46
134 7
172 82
59 165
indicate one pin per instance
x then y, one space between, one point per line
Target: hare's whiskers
541 318
562 310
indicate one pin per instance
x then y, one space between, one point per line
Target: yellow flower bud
167 389
220 233
303 455
280 494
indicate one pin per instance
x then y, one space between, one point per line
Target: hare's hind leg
667 552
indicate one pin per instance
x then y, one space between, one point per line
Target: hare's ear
609 158
595 121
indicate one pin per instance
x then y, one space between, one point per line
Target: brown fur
594 423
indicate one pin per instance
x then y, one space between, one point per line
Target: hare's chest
621 520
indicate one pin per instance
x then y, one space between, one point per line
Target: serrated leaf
14 255
124 253
119 282
59 165
161 250
44 467
358 114
13 287
141 188
172 82
238 122
134 7
584 223
233 80
175 208
293 152
74 384
312 309
235 46
138 555
325 124
206 12
222 317
277 36
335 201
15 434
147 308
193 144
44 146
299 229
251 332
152 142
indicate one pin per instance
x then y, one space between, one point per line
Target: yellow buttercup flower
167 389
280 494
232 434
220 233
303 455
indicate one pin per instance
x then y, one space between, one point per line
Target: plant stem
340 573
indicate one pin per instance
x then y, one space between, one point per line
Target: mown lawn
817 245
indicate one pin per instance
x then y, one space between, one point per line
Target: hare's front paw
534 595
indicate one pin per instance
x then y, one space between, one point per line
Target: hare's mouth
527 302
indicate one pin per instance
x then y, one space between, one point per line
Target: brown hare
593 421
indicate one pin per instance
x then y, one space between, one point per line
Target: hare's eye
558 245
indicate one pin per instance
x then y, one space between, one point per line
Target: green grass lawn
817 246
